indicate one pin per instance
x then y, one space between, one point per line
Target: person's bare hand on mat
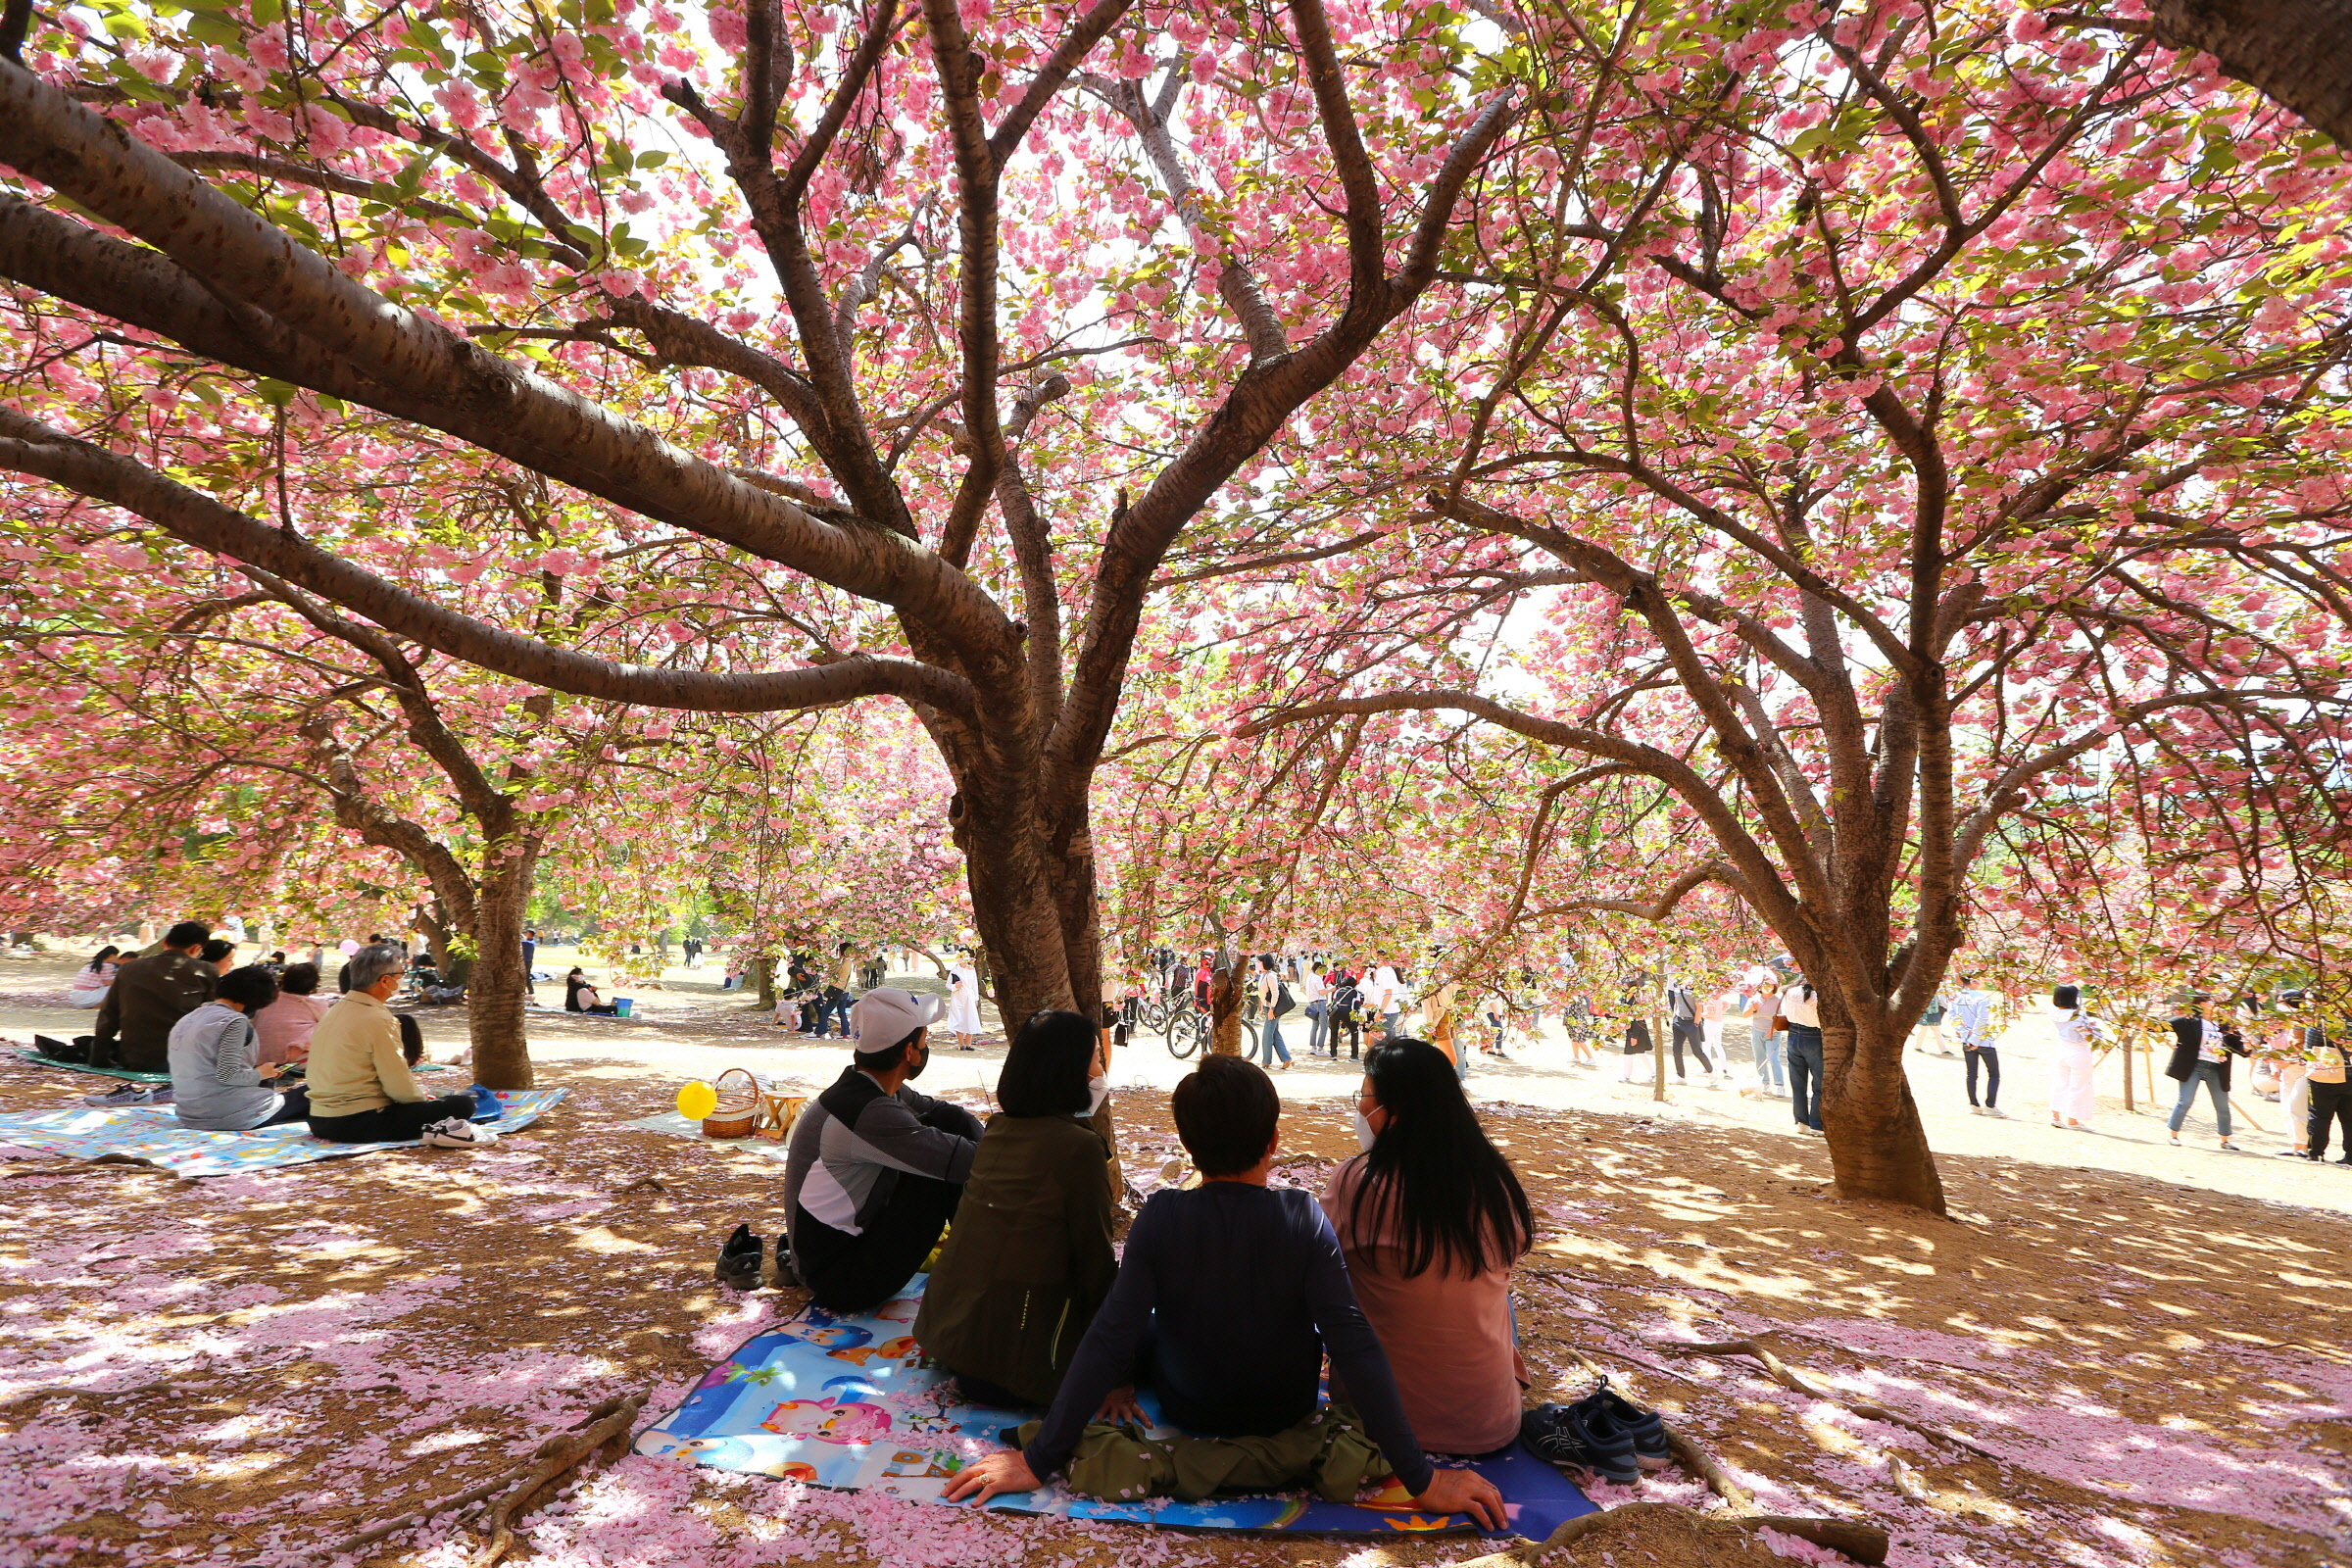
1001 1472
1457 1492
1119 1406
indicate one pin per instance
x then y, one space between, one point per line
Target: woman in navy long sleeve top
1235 1290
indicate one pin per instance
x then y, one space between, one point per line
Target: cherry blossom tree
838 309
1876 418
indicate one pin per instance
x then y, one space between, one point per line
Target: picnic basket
738 1110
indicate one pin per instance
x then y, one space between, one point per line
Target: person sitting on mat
1227 1297
875 1169
133 1029
1431 1219
285 1025
581 997
1030 1257
360 1090
216 1082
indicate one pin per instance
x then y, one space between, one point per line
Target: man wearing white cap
875 1169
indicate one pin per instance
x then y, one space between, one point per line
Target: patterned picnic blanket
153 1136
848 1403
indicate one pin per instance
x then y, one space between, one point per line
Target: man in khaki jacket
360 1085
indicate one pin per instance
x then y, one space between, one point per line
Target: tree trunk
495 991
2298 52
1878 1148
763 973
1225 1007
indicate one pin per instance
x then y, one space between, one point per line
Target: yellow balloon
696 1100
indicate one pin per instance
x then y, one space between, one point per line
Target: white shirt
1310 986
1797 1007
1385 989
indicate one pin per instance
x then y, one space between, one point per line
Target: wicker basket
738 1110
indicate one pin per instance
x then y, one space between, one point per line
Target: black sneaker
1552 1438
1615 1455
1646 1427
787 1276
739 1259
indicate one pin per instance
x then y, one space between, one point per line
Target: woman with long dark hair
93 980
1431 1219
1029 1257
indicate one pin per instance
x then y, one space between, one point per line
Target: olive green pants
1327 1452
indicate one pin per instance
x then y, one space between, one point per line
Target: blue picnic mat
848 1403
129 1076
153 1135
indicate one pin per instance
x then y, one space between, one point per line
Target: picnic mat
39 1060
124 1073
678 1126
848 1403
153 1136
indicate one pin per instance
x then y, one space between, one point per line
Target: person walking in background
1346 1012
2327 1066
1272 997
1681 1017
1800 1015
962 1018
530 958
1931 1025
2201 1050
693 948
1316 994
2073 1098
1766 1047
1974 1020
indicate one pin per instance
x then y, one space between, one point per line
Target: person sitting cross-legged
1030 1257
216 1079
361 1088
1431 1218
1225 1302
875 1170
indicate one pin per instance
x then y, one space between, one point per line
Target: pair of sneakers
739 1257
1604 1432
456 1132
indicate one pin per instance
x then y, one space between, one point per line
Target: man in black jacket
149 996
2201 1053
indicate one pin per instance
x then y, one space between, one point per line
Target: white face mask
1363 1128
1098 1090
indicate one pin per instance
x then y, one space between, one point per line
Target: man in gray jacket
875 1169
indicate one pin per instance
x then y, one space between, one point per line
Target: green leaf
277 394
205 27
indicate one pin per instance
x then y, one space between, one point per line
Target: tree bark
1877 1147
494 993
2297 52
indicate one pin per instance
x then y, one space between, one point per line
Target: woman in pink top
1431 1219
284 1027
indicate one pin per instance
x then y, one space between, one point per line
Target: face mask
1098 1090
915 1064
1363 1128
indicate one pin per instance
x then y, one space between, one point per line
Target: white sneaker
1996 1111
457 1133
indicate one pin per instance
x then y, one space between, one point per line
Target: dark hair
2066 999
1225 1112
1048 1064
888 1056
186 934
412 1038
217 950
299 980
1431 1179
253 986
102 955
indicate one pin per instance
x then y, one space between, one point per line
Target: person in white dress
2073 1101
963 1001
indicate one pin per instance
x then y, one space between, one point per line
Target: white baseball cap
888 1014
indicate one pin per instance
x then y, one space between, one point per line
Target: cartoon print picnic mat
151 1134
126 1075
848 1403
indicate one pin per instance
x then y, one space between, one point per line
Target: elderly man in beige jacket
361 1088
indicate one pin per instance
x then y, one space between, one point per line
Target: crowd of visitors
255 1045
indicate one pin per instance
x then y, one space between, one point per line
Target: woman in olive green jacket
1028 1257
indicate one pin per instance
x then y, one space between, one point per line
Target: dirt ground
2114 1368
